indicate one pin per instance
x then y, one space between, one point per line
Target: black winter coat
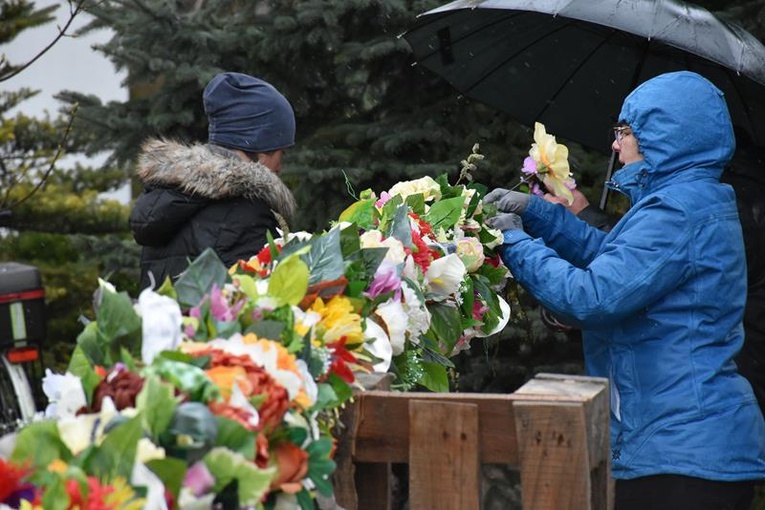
202 196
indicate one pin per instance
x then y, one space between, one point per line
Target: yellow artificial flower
552 162
122 497
338 319
429 188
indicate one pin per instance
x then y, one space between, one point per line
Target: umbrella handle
609 173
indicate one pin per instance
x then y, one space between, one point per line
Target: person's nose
615 146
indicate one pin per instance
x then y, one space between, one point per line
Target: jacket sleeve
646 257
573 239
243 233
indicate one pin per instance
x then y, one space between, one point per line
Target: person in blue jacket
660 299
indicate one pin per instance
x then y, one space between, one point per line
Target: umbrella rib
468 34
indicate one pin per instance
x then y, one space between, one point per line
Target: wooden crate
554 429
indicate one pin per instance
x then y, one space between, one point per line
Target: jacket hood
212 173
683 129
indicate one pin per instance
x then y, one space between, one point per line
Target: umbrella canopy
569 64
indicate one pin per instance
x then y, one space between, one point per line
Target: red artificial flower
340 359
424 226
422 255
12 479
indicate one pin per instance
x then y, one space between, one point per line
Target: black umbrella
569 64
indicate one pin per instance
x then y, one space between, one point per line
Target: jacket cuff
514 236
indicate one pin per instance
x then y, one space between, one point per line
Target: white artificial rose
429 188
373 239
65 394
161 320
470 252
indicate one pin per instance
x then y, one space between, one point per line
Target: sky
71 64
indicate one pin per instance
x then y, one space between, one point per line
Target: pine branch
75 7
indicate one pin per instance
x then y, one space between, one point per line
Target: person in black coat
225 194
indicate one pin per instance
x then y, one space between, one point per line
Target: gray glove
505 221
508 201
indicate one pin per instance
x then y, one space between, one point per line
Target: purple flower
386 280
529 166
219 307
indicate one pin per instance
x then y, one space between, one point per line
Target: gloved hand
508 201
505 221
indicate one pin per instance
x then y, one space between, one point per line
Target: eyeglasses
620 132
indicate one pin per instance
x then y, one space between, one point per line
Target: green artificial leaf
119 325
198 279
197 424
372 258
326 399
400 227
434 377
88 341
445 213
247 285
157 403
389 210
171 473
188 378
40 443
167 289
56 497
320 466
289 281
116 454
227 466
416 203
362 213
495 275
82 367
305 501
325 260
342 389
224 329
445 325
349 241
270 329
232 435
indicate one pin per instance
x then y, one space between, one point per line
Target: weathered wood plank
382 426
443 458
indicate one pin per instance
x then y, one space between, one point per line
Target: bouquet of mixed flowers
224 388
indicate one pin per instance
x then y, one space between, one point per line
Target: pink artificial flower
529 166
386 280
199 479
219 307
384 197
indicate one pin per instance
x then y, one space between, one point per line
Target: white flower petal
161 320
378 344
445 275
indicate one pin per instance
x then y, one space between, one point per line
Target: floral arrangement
546 168
223 389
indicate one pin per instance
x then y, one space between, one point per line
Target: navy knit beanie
248 113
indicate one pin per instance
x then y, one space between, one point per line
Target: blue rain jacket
660 298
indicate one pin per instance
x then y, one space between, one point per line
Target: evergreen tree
51 217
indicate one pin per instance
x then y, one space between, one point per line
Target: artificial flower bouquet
223 389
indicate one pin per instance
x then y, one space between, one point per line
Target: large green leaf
227 466
116 454
361 213
82 367
445 324
157 402
325 260
289 281
40 443
198 280
445 213
170 471
434 377
400 228
232 435
119 325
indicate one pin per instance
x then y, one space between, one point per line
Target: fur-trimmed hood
215 174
